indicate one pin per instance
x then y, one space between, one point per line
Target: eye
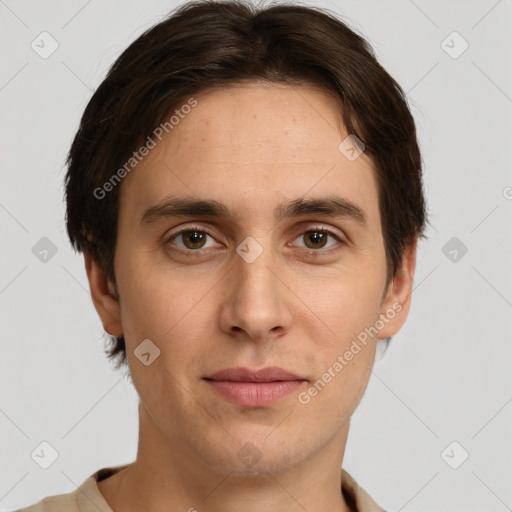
318 238
194 238
191 239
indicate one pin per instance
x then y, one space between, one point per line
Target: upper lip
241 374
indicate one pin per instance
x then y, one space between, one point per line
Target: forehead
249 147
263 117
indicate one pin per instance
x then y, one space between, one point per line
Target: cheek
344 349
168 313
345 389
341 379
171 311
345 304
156 299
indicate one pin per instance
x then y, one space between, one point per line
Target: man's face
298 305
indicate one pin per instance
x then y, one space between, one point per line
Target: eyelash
311 252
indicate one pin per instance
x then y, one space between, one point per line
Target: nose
256 300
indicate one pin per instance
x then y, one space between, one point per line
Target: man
246 188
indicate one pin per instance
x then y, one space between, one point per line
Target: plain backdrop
442 392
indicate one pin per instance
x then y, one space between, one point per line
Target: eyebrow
334 206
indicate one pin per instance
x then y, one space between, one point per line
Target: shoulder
85 498
356 496
57 503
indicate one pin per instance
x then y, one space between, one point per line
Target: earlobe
396 305
103 297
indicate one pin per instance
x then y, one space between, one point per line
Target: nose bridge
257 297
254 276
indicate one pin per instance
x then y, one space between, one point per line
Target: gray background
446 376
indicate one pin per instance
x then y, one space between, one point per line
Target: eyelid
329 231
305 229
190 228
185 229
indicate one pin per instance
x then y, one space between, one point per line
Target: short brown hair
204 45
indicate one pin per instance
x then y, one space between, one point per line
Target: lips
254 388
242 374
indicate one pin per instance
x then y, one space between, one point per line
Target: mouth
254 388
242 374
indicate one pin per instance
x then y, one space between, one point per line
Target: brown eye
193 239
315 239
190 239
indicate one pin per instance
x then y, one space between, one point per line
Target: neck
169 477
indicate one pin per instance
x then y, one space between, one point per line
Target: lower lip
255 394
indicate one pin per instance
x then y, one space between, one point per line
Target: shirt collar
89 498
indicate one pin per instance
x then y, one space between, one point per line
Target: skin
250 147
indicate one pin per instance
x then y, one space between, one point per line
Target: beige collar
89 498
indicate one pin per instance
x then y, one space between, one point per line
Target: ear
397 302
103 293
